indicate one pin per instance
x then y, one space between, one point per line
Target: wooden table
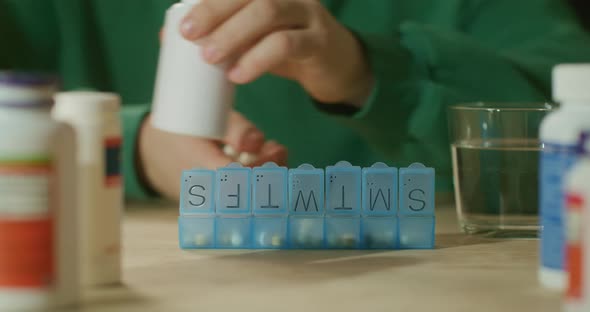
464 273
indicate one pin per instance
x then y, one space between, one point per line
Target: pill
229 151
247 159
262 239
201 240
236 239
276 241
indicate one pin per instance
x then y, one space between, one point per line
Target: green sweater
425 54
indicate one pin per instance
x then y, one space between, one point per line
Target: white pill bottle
577 189
191 97
38 237
559 134
95 118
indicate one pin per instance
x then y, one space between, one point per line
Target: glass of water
495 148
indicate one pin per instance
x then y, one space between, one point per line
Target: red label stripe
574 201
25 168
113 180
26 253
113 142
576 269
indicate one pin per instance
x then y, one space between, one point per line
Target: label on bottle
575 242
113 161
26 223
555 161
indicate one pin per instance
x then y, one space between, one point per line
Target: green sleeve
497 50
29 35
132 117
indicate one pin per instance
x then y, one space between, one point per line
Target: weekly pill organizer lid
86 103
18 89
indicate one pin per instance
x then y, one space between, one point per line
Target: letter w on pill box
306 207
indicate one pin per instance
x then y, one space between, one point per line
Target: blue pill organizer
341 207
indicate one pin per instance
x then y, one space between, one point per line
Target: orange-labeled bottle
38 254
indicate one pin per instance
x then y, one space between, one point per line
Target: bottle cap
571 83
20 89
23 79
85 104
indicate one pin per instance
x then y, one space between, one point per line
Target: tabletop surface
463 273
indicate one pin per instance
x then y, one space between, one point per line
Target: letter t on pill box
343 206
270 206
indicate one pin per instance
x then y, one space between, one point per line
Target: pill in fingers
231 152
247 159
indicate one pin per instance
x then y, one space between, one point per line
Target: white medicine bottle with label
577 189
38 221
95 118
191 97
559 135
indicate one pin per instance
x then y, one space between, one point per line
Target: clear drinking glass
495 148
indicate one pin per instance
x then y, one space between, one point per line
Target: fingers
251 23
272 152
207 15
242 135
273 50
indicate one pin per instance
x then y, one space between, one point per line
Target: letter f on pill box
233 189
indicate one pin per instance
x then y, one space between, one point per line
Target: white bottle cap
85 105
571 83
26 89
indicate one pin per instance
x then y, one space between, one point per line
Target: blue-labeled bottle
559 135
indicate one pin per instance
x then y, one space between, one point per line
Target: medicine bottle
559 135
577 189
38 238
191 97
95 118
